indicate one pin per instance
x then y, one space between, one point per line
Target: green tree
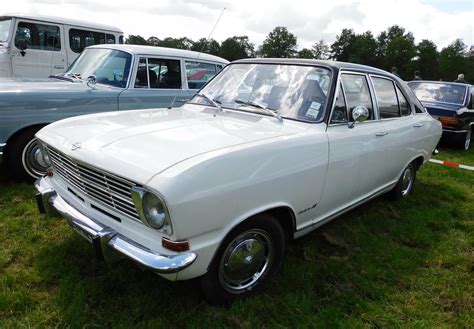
453 60
427 60
320 50
236 47
341 48
136 40
305 53
363 49
280 43
400 51
153 41
178 43
206 46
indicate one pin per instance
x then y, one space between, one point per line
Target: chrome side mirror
91 82
359 114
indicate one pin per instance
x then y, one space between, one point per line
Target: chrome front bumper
108 244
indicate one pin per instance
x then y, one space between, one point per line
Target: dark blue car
452 104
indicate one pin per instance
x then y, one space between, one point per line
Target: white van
36 46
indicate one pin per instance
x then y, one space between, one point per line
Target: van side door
157 83
38 49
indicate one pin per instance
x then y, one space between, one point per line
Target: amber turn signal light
175 245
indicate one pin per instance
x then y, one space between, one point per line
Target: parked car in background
34 46
267 151
104 78
452 104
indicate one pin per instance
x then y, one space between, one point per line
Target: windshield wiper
214 102
261 107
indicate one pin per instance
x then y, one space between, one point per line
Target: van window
121 39
37 36
80 39
5 28
109 38
199 73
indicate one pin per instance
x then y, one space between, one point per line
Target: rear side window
386 98
109 38
37 36
356 91
198 73
80 39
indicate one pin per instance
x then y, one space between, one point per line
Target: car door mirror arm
359 114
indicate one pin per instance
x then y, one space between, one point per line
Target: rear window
439 92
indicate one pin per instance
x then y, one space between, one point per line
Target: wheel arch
21 131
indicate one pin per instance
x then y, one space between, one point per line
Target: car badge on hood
76 146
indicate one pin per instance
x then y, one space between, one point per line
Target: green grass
401 264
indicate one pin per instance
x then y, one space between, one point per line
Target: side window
158 73
121 39
386 98
356 90
80 39
199 73
109 38
339 115
37 36
402 102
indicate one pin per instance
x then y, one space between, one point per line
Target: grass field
384 264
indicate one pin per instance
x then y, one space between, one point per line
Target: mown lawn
401 264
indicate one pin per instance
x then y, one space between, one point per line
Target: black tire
259 245
19 160
405 184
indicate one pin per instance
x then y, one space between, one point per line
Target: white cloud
309 20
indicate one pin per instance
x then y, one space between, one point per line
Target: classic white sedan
266 152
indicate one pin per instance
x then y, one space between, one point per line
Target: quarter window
356 90
402 102
339 115
37 36
80 39
198 73
386 98
158 73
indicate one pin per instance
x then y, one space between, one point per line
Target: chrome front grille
114 191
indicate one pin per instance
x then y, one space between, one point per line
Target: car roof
301 61
60 20
163 51
442 82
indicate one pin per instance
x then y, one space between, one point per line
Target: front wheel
465 142
24 158
249 256
405 183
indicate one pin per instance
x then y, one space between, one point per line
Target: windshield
439 92
5 28
291 91
110 67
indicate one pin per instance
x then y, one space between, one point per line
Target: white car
266 152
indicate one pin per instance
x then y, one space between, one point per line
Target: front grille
109 189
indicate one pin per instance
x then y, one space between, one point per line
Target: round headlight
154 210
42 156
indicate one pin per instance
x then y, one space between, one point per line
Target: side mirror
359 114
91 82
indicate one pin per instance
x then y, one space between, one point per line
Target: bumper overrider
108 244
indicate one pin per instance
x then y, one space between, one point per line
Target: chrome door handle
382 133
59 66
183 100
418 125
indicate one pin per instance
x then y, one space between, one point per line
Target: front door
38 50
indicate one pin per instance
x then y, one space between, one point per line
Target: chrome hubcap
467 142
245 261
407 181
33 159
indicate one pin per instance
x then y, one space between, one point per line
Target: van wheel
24 159
405 183
245 262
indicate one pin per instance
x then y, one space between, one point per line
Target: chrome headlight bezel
44 153
141 197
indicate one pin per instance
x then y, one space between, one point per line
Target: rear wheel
465 142
405 183
24 158
249 256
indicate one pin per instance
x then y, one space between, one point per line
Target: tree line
394 47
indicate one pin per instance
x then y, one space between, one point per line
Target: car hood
140 144
39 85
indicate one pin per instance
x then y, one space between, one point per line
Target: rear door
157 83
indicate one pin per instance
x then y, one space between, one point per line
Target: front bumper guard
108 244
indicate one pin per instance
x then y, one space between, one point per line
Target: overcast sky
441 21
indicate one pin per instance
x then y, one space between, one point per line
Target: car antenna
199 54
